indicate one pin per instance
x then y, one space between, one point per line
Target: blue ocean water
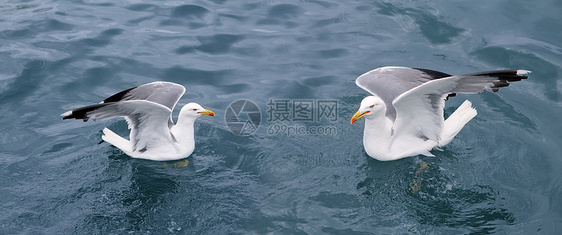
501 174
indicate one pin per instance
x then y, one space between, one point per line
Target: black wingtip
505 77
82 113
67 115
75 115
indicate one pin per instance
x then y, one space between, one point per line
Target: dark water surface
502 173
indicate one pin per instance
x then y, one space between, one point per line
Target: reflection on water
416 183
182 163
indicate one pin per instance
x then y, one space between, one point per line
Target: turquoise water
501 174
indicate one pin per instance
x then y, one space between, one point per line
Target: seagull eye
372 106
193 109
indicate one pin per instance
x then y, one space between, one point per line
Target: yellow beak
207 112
358 115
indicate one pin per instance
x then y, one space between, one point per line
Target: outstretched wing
147 109
419 111
390 82
147 120
163 93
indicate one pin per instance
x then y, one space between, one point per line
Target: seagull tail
117 141
456 122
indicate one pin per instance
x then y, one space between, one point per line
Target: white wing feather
419 111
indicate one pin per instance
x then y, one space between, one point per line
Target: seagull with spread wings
404 115
148 111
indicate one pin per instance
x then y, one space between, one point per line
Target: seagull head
370 106
194 110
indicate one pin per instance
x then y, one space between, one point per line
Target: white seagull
148 111
404 115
